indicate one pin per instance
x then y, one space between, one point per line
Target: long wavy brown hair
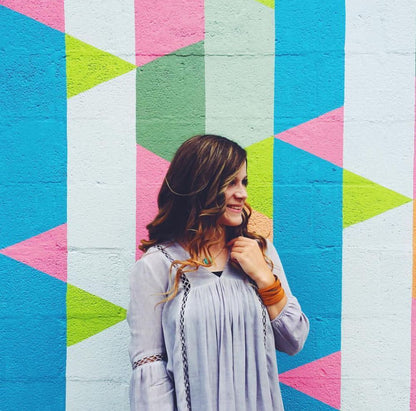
192 199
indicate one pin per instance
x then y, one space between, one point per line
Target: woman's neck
216 257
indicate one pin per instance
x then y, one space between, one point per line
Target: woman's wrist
264 279
272 294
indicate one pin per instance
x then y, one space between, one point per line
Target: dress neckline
185 255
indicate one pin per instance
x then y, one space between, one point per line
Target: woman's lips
235 208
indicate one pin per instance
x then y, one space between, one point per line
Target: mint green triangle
170 105
87 66
363 199
260 176
88 314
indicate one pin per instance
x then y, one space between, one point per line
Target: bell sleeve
151 388
291 326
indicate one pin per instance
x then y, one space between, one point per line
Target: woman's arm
265 281
150 386
247 253
290 324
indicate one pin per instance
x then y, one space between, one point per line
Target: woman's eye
234 182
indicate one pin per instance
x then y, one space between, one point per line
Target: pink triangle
151 170
46 252
322 136
320 379
165 26
49 12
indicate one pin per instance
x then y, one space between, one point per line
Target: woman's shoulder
271 251
270 248
154 266
159 254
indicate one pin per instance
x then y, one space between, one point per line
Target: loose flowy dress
212 347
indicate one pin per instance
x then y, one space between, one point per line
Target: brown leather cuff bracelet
272 294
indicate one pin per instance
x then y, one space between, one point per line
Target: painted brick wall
95 97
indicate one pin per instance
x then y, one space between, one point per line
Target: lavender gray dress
213 346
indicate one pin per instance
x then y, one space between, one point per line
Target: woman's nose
241 192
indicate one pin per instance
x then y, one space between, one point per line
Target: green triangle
268 3
260 176
87 66
363 199
88 314
171 100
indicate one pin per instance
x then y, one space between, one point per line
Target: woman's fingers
247 253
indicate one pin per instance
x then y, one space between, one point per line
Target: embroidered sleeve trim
150 358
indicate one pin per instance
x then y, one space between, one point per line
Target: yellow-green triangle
87 66
260 176
268 3
363 199
88 314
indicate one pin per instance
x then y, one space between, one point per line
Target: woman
209 300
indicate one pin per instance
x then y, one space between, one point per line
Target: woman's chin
234 221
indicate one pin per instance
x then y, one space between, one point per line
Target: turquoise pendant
206 261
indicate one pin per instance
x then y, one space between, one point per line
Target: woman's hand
247 253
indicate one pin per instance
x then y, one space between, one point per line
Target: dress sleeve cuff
151 388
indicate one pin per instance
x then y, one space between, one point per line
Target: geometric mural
319 379
48 12
88 315
260 169
364 199
46 252
88 137
308 182
171 100
268 3
33 201
87 66
321 136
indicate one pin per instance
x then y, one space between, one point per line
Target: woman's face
235 196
